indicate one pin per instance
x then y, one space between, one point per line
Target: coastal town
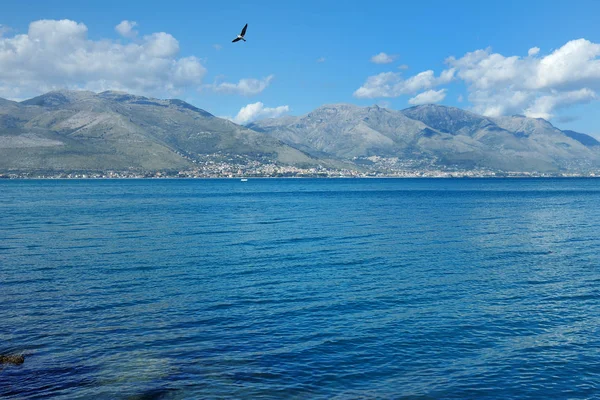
218 166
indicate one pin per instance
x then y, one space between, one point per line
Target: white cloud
535 86
125 29
245 87
58 54
161 45
185 71
483 70
391 84
403 67
576 63
460 98
501 102
255 111
321 59
428 97
53 33
383 58
543 106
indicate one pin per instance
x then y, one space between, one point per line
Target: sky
529 57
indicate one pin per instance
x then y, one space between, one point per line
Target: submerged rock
12 359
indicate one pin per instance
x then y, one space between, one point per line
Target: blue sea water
301 288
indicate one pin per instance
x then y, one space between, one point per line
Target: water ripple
409 289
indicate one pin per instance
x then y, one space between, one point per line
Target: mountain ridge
112 130
120 131
450 135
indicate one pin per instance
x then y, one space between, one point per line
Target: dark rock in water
157 394
12 359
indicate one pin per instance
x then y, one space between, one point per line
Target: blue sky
300 55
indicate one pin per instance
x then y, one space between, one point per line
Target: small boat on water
244 179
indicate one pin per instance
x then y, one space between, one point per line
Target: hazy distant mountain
346 131
450 135
68 130
582 138
449 119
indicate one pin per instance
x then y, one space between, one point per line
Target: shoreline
295 177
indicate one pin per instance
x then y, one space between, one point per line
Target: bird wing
236 40
244 30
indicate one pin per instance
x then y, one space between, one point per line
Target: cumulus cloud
245 87
125 29
535 86
383 58
58 54
428 97
543 106
500 102
392 84
255 111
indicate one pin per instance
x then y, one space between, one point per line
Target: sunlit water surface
294 288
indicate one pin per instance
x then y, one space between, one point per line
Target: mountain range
449 135
79 130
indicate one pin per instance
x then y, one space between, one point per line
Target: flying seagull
241 35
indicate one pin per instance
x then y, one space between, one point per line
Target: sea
300 288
